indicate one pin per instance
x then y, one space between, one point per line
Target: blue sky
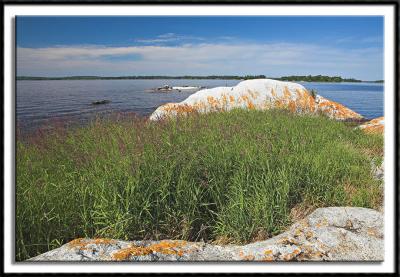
273 46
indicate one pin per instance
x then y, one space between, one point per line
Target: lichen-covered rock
335 110
257 94
327 234
375 126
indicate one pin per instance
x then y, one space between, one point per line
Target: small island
319 78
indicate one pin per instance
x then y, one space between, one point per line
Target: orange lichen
273 92
224 100
296 251
199 106
305 101
311 103
163 247
376 120
76 242
279 103
253 94
377 129
288 240
293 255
337 110
268 259
268 252
322 223
250 105
286 93
231 99
309 234
298 232
82 243
288 257
248 258
245 98
212 101
299 94
308 253
124 254
374 126
318 254
372 232
179 109
292 106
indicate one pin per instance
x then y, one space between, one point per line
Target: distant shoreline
318 78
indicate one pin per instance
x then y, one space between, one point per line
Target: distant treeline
319 78
308 78
219 77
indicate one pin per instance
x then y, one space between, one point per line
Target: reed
227 176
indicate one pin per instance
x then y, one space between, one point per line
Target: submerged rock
375 126
101 102
257 94
327 234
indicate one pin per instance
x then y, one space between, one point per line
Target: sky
351 47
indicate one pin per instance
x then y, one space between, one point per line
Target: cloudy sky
272 46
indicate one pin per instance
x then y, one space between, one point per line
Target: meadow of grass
218 177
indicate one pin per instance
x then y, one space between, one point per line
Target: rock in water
101 102
257 94
327 234
375 126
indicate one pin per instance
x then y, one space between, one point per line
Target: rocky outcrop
375 126
257 94
327 234
335 110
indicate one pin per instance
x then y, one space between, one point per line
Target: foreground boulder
375 126
327 234
257 94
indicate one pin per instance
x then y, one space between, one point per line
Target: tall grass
207 177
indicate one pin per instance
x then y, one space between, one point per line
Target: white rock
257 94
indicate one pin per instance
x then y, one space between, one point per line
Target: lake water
39 102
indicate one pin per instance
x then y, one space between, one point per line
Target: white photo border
386 10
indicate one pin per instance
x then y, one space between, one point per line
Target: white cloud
271 59
169 37
359 40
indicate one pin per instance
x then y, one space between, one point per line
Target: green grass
205 177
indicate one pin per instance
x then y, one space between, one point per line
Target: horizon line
192 76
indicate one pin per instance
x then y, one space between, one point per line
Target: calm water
41 101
